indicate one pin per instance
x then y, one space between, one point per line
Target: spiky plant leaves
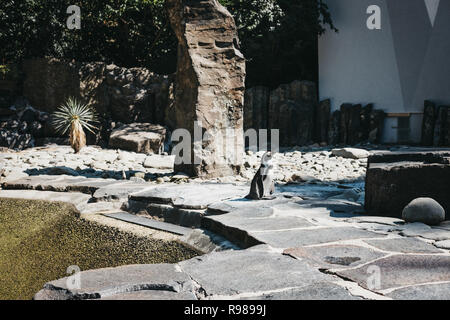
75 116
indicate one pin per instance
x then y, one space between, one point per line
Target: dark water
40 240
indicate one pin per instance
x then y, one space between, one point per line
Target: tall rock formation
210 84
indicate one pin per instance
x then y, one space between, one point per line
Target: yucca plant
75 116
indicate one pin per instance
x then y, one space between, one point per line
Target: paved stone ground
313 241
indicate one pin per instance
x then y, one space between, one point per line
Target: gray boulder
351 153
425 210
139 137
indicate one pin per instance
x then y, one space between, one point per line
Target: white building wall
396 67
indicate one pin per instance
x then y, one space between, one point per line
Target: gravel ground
291 165
39 240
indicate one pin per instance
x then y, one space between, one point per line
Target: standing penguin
262 186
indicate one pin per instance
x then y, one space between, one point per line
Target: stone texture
146 222
59 183
165 212
152 295
439 291
363 134
428 123
232 205
139 137
291 110
322 121
102 283
394 179
414 229
351 153
297 238
404 245
239 219
209 85
159 161
119 95
48 82
403 270
442 127
345 109
444 244
256 108
250 271
125 94
119 191
319 291
350 123
191 196
335 256
376 126
334 128
436 234
425 210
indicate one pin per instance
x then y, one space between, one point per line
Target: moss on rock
39 240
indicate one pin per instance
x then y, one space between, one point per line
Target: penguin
262 186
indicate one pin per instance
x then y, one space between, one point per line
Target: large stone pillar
210 84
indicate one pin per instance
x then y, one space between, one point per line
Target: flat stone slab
101 283
414 229
242 203
335 256
59 183
445 244
343 208
63 184
152 295
138 137
90 185
191 196
311 191
31 182
418 229
374 219
319 291
120 191
150 223
235 272
403 270
403 245
252 224
297 238
159 161
439 291
436 234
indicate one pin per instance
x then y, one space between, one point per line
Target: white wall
396 67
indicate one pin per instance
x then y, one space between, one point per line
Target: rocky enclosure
119 95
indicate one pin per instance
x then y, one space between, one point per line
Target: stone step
120 190
192 195
150 223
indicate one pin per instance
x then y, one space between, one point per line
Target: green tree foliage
126 32
278 37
